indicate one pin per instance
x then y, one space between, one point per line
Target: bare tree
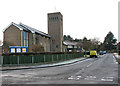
95 43
86 44
89 44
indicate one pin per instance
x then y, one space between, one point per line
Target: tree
109 41
86 44
76 40
65 37
68 37
95 43
91 44
101 47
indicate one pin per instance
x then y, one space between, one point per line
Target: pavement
43 65
117 57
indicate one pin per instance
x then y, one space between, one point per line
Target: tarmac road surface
101 70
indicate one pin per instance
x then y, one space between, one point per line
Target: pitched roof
12 23
69 43
33 30
28 28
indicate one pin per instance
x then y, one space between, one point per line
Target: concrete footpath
43 65
117 57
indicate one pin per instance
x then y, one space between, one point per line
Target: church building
24 35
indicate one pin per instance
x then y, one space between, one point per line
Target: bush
37 48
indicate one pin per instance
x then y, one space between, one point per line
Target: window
56 46
25 38
37 39
54 18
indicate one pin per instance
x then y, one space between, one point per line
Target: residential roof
28 28
69 43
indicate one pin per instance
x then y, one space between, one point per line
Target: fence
0 50
38 58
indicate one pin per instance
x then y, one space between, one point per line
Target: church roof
28 28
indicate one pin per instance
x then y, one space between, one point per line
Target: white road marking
70 78
107 79
74 78
79 76
89 65
90 78
13 75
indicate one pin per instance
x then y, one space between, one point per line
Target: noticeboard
18 49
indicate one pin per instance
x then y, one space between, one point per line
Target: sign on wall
18 49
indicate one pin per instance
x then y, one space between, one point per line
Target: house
71 46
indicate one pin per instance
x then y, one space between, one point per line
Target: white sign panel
12 50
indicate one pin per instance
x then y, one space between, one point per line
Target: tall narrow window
25 38
37 39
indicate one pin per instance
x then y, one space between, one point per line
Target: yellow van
93 53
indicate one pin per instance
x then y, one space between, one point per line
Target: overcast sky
81 18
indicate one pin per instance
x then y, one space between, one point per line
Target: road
102 70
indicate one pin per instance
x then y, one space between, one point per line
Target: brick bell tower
55 30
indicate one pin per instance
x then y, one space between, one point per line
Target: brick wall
12 37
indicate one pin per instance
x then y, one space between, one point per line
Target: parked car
101 53
93 53
104 52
